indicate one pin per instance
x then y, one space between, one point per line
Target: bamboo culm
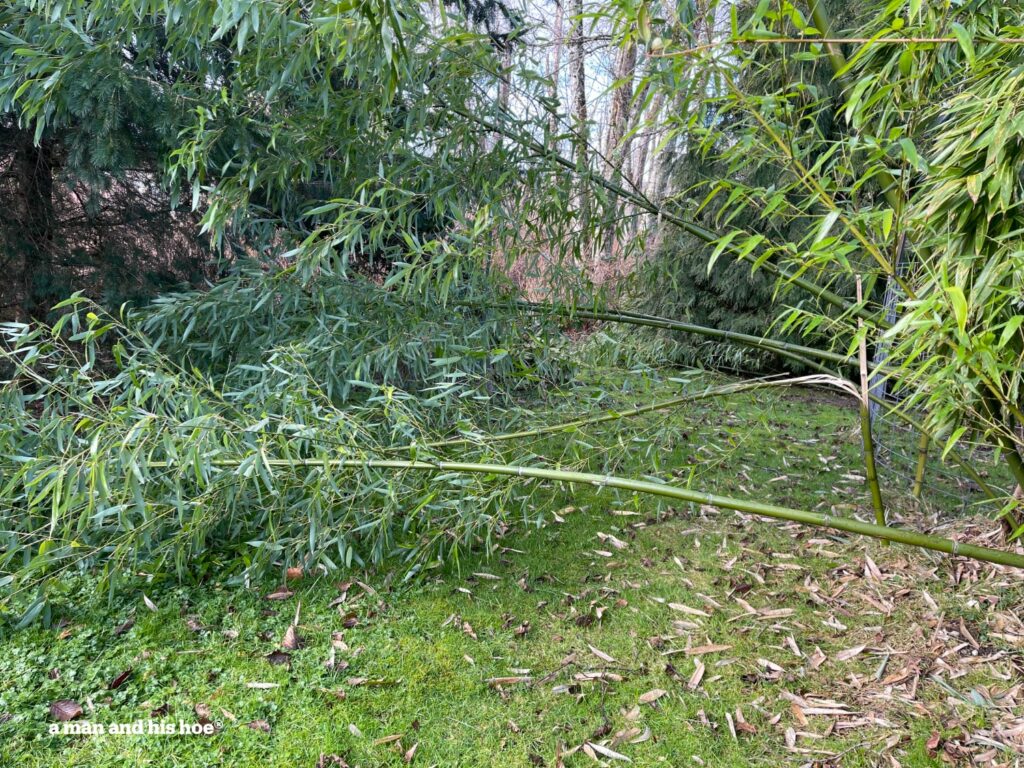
729 389
870 471
849 525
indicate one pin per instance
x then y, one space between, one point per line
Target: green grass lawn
668 636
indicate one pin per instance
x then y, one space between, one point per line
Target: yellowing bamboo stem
870 471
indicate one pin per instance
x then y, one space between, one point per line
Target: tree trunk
578 76
618 118
33 223
648 136
616 148
554 65
504 90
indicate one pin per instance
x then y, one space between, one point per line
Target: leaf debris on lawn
65 710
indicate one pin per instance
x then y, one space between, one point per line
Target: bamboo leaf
959 302
963 38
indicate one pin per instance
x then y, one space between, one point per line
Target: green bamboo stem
910 421
1017 470
807 356
922 458
849 525
665 323
991 403
1013 459
795 352
870 471
566 426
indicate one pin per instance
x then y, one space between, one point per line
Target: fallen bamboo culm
850 525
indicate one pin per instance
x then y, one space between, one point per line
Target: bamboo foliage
251 472
79 489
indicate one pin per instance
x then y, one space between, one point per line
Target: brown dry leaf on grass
688 610
120 680
850 653
607 538
292 641
497 682
65 710
591 747
700 650
697 676
652 696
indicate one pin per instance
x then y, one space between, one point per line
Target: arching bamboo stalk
849 525
728 389
668 324
691 227
910 421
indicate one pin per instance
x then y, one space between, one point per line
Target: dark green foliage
161 451
81 205
252 331
354 172
280 417
351 159
730 297
497 18
708 171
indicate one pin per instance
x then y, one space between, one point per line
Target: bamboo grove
349 385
